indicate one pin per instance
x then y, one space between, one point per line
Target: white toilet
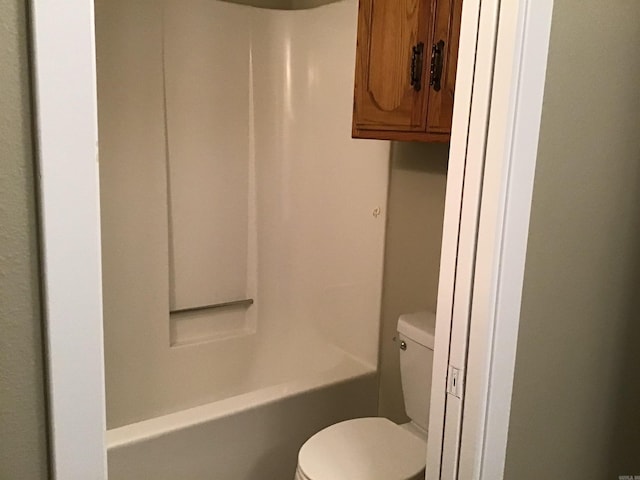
376 448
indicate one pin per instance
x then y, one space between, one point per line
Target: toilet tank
416 333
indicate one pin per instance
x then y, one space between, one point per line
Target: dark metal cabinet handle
416 66
437 51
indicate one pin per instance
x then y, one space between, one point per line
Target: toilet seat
363 449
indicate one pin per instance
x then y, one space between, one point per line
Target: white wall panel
206 71
259 113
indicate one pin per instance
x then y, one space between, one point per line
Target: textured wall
23 452
575 401
412 253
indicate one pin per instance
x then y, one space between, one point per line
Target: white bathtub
252 436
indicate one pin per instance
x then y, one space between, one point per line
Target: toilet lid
363 449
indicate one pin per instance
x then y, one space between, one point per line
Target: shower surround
228 173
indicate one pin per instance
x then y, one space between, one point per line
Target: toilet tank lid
419 327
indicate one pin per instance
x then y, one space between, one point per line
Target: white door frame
67 139
510 98
512 144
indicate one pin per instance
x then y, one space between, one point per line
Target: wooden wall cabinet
406 58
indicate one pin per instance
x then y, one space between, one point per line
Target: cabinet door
388 31
444 59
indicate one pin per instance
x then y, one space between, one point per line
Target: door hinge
455 381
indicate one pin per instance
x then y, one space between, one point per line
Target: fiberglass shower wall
228 173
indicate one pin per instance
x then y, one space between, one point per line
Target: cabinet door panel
387 32
446 28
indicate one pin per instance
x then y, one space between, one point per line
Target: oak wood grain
385 105
387 32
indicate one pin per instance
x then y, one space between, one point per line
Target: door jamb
64 81
512 144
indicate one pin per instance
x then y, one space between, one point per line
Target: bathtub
252 436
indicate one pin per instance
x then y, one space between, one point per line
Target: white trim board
514 126
66 111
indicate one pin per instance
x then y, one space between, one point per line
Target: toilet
376 448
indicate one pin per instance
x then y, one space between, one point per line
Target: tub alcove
243 234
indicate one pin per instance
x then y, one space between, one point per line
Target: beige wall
412 253
23 449
575 404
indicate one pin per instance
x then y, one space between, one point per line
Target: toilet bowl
363 449
376 448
